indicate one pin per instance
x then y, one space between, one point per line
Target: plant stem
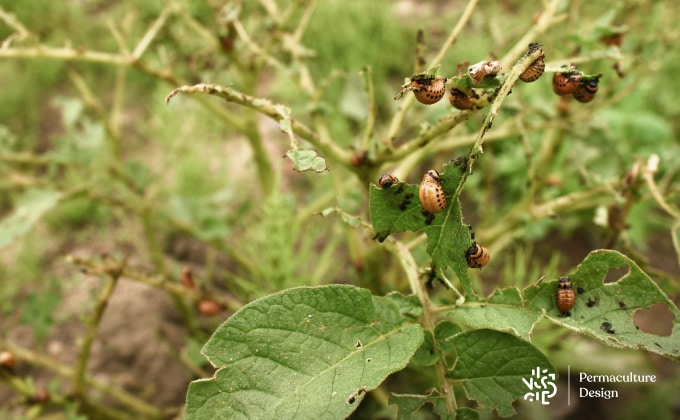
275 111
545 20
427 319
102 302
128 400
406 103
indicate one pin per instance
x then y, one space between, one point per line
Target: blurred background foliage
202 184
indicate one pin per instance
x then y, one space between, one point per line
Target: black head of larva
586 90
432 175
387 180
535 70
428 90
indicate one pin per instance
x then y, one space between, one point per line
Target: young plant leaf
605 310
491 366
305 160
303 353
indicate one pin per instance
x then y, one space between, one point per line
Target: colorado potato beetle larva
477 256
427 89
535 70
431 193
586 91
460 100
387 180
565 296
565 83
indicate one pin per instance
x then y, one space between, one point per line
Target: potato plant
407 215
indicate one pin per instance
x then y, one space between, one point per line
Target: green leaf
426 355
397 208
613 303
30 207
408 305
305 160
444 333
465 413
409 405
491 366
303 353
503 310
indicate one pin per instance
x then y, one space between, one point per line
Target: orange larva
431 193
460 100
535 70
387 180
477 256
7 361
566 83
428 90
209 307
565 296
586 91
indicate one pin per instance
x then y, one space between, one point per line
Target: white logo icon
541 386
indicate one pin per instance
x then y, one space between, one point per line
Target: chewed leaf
605 310
398 208
305 160
410 404
303 353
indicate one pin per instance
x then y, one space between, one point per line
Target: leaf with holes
606 311
493 366
397 209
308 352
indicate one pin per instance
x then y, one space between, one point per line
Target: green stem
427 319
266 176
275 111
147 217
522 64
406 103
579 200
91 333
130 401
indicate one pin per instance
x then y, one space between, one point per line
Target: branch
453 36
273 110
